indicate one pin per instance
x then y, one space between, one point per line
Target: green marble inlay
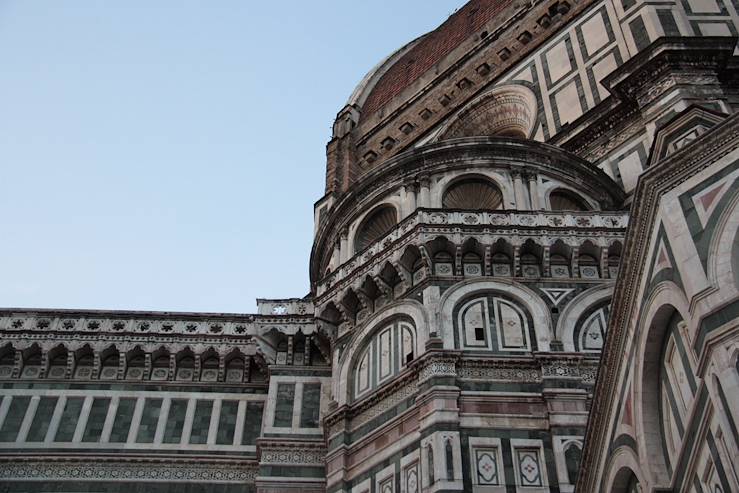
122 422
284 406
149 420
175 421
14 418
201 422
68 422
96 419
252 423
227 423
42 419
311 405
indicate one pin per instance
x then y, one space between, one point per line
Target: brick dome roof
431 49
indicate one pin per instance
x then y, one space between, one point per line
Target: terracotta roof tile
431 50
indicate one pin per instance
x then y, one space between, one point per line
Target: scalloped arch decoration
506 111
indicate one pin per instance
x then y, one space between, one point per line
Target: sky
167 155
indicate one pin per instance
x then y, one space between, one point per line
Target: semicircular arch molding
493 176
623 465
665 301
373 224
528 299
507 111
575 309
410 310
725 245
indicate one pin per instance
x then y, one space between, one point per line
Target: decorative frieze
438 366
292 455
133 325
127 471
501 371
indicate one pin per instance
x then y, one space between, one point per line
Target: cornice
634 85
515 226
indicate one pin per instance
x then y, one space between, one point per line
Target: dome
407 65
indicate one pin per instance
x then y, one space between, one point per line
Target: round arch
494 176
528 298
576 308
409 309
622 469
564 199
472 192
725 245
666 300
379 221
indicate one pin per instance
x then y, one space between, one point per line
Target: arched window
57 363
443 264
160 366
84 363
530 258
377 224
430 463
501 265
32 362
559 266
110 360
209 367
588 266
473 194
385 355
136 363
449 453
472 264
235 369
614 259
7 361
565 200
493 322
572 460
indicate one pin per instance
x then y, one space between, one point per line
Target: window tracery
385 355
494 323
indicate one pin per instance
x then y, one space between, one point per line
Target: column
162 422
187 425
136 420
28 418
61 403
215 417
82 422
424 195
410 199
533 190
344 246
521 204
239 430
297 404
109 419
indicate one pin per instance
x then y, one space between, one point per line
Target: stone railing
164 324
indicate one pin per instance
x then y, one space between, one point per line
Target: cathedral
524 278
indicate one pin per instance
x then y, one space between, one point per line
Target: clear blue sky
166 155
